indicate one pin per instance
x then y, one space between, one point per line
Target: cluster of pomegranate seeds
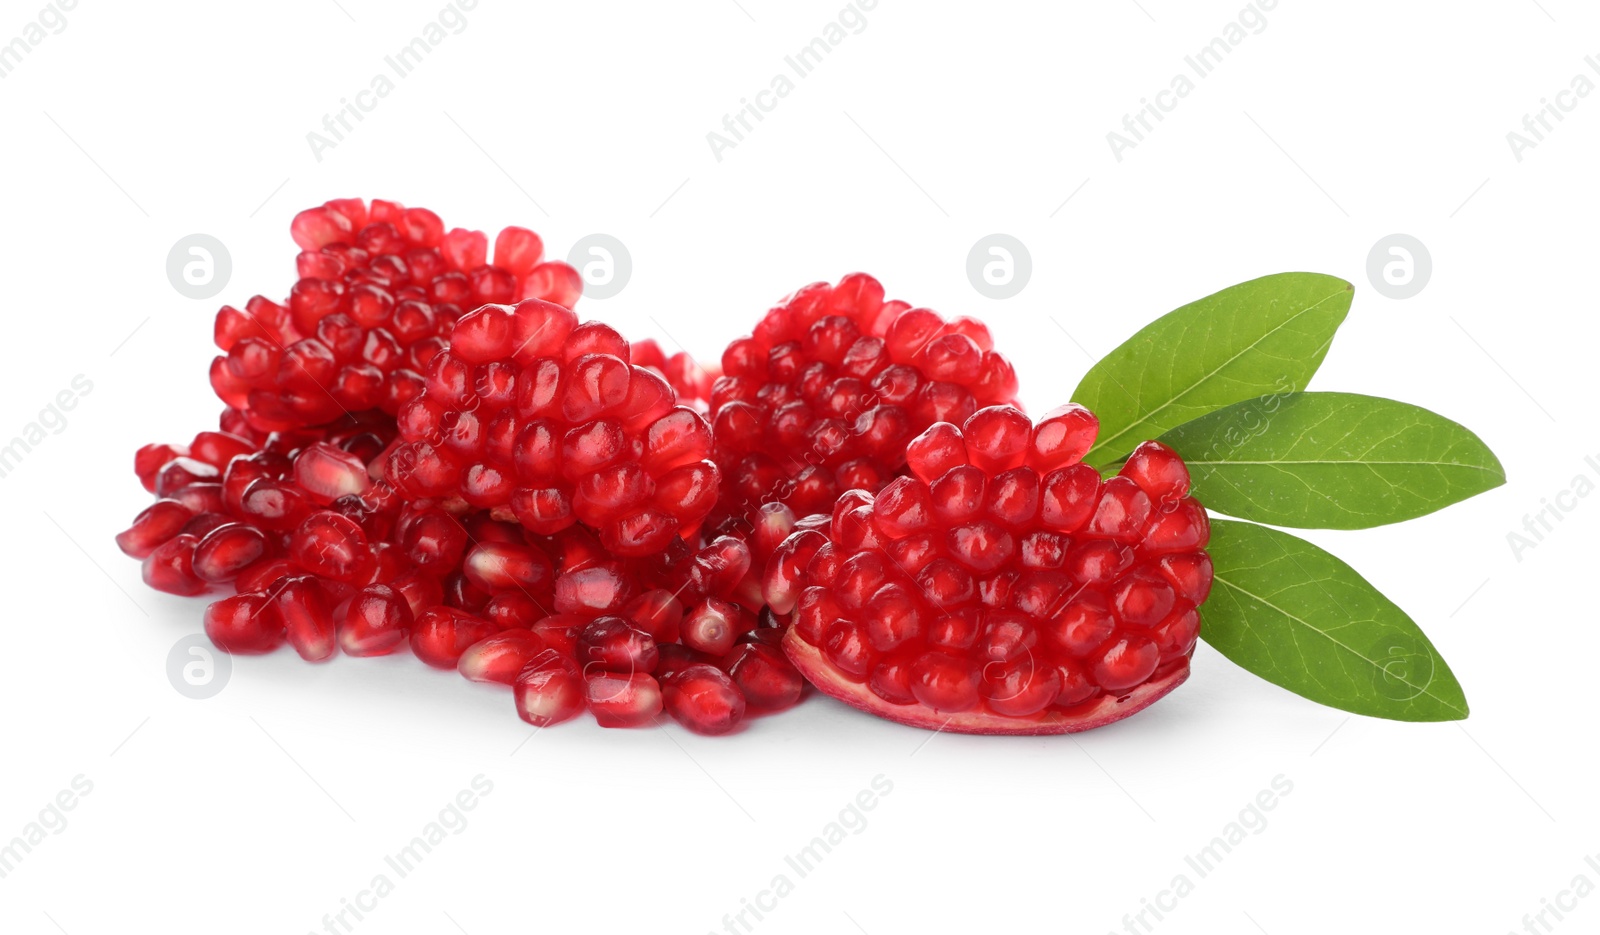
543 420
424 450
380 287
1002 586
822 397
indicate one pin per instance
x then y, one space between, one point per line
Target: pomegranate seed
327 473
549 690
170 567
713 626
623 700
332 545
225 551
503 566
244 624
656 612
603 588
767 679
501 657
704 699
376 622
149 460
1126 663
610 644
302 604
441 634
157 523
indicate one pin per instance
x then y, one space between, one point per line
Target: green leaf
1258 338
1302 619
1332 460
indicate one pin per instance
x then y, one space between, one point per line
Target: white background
261 809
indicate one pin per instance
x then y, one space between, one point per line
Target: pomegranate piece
704 699
549 690
623 700
1000 587
380 289
829 388
530 414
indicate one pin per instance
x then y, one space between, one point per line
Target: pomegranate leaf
1331 460
1257 338
1304 620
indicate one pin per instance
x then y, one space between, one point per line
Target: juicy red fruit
1003 587
544 421
832 383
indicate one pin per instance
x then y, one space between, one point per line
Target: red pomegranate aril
560 631
1175 636
304 607
656 612
225 551
181 472
611 644
501 657
462 594
1068 497
510 610
502 566
155 524
713 626
420 590
786 567
244 624
327 473
273 505
440 635
946 684
201 497
1126 663
891 681
1142 599
1158 471
332 545
376 622
150 459
263 574
846 645
704 699
432 539
549 690
1062 437
604 588
1189 574
765 676
170 567
1020 688
623 700
1083 625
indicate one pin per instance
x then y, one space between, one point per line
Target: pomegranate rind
1106 709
